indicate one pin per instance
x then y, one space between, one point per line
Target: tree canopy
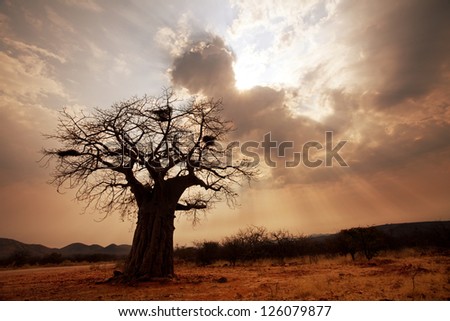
116 156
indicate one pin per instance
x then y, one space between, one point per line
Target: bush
185 254
367 241
232 250
207 253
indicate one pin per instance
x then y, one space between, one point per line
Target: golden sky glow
375 73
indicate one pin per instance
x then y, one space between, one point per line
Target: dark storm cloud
206 67
406 63
405 46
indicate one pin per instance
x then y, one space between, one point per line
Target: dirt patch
412 278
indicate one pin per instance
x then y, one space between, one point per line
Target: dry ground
393 277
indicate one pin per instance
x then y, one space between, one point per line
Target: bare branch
188 207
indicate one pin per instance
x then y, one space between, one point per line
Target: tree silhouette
150 156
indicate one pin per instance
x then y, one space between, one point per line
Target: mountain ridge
10 246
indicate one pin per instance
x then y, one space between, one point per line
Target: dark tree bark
151 253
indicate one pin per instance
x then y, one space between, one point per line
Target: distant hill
9 247
83 249
403 230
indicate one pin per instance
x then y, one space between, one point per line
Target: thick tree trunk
151 253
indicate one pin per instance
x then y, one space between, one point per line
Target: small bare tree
153 156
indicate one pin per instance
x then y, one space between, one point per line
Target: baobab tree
151 158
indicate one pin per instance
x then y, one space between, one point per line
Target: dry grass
397 276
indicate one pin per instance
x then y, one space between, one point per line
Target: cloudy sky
375 73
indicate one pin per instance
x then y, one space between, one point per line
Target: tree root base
120 278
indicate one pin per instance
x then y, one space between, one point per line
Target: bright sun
246 75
